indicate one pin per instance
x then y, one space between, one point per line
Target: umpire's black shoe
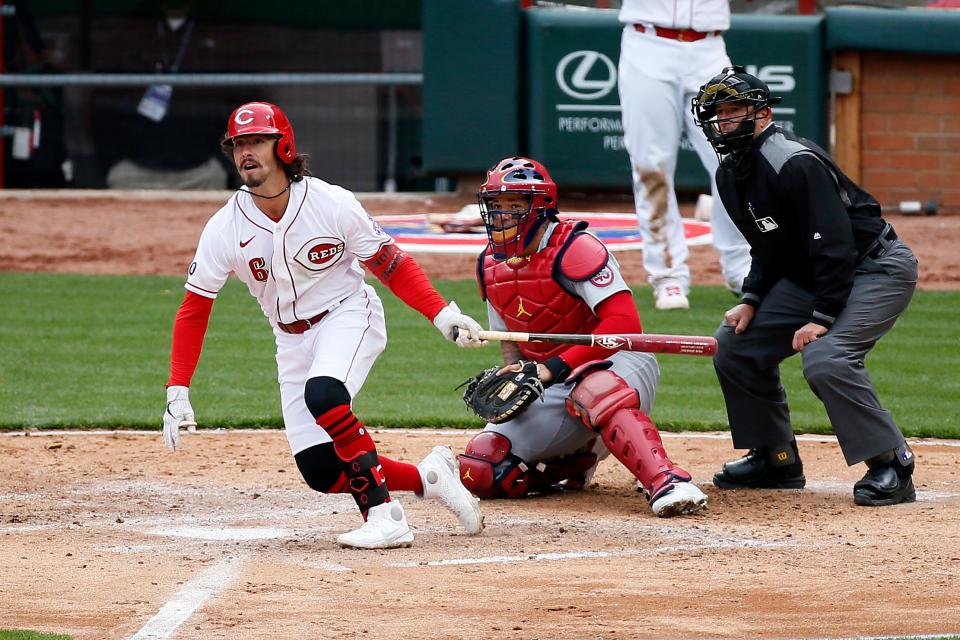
889 480
769 468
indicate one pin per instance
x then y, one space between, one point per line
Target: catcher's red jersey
530 299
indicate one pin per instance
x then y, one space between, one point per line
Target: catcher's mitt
499 398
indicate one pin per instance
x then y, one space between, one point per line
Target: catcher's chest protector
529 299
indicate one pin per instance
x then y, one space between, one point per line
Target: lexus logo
575 67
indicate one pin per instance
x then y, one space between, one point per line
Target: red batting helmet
266 119
523 176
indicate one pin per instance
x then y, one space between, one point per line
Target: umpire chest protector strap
530 299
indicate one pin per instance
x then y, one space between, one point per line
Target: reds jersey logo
603 278
320 253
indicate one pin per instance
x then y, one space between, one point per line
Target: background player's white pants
546 430
344 345
658 77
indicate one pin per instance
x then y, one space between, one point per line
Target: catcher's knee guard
605 403
489 470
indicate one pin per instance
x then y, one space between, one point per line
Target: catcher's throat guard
499 397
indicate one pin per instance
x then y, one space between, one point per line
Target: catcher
554 411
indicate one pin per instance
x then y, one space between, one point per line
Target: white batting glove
468 330
178 414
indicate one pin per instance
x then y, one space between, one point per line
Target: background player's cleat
682 498
440 473
671 297
386 528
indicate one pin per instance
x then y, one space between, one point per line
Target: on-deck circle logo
320 253
574 75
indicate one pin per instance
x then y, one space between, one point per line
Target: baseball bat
649 342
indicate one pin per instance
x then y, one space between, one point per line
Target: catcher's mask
732 86
262 118
510 230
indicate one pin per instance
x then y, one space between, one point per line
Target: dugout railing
381 145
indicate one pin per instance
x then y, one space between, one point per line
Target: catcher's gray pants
748 364
545 430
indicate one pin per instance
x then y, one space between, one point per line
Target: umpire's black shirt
804 219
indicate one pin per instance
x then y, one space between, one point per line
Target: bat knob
456 333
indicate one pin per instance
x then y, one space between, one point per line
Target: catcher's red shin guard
605 403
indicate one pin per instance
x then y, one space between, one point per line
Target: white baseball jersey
296 268
699 15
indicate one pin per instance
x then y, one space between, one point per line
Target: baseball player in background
667 51
829 279
539 274
298 243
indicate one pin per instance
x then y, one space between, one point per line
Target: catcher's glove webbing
499 398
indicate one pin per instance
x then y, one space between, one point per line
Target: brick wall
910 128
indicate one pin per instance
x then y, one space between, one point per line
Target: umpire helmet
733 85
266 119
511 232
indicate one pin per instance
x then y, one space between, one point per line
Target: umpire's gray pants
748 364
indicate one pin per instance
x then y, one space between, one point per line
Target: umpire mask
732 86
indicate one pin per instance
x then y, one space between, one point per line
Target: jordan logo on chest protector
521 311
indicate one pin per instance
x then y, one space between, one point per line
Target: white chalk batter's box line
692 435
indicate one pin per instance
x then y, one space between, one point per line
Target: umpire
829 278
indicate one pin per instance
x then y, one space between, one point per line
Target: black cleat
773 468
885 485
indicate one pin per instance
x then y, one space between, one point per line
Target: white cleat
386 528
671 297
683 498
440 473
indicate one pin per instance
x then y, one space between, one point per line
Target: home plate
222 533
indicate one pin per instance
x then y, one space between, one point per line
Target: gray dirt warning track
107 535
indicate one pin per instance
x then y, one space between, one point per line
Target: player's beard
252 182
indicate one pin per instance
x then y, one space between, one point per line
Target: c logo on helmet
244 116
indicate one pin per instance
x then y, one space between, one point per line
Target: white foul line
191 597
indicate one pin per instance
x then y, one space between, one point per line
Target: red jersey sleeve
618 314
189 328
406 279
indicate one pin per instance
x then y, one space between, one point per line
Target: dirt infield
105 535
142 233
109 536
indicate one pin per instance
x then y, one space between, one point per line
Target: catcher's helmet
266 119
510 232
731 86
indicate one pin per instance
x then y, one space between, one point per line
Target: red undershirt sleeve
618 314
189 328
406 279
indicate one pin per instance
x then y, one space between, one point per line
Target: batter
298 243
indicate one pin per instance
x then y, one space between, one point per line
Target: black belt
879 246
300 326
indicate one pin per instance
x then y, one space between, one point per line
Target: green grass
19 634
94 351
